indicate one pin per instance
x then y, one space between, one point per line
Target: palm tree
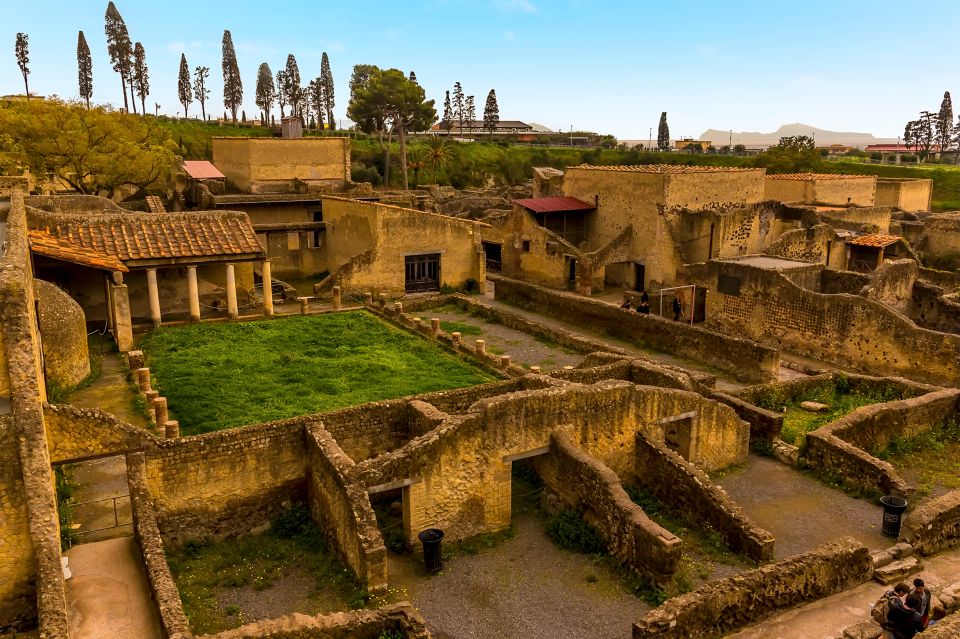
416 160
438 153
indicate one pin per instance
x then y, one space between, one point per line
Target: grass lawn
219 376
931 460
288 569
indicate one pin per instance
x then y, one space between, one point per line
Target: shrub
569 531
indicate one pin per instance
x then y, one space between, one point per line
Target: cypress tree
184 90
232 85
292 84
458 112
326 84
265 91
447 113
491 112
84 69
141 75
22 50
119 47
945 122
200 90
663 134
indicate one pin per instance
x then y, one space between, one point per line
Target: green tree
317 100
470 112
491 112
119 47
458 104
200 90
663 133
326 81
265 92
232 84
291 86
281 90
96 151
795 154
184 88
438 154
141 76
22 51
447 113
389 97
944 122
84 69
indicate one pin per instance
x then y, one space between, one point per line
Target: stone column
231 293
107 302
434 326
161 412
193 293
481 347
337 303
123 323
154 294
143 379
267 289
171 429
304 305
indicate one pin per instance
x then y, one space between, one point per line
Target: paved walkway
108 596
827 618
110 392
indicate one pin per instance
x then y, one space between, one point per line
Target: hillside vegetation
480 163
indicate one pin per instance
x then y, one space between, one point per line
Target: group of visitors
903 612
644 305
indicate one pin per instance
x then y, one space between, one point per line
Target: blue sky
845 65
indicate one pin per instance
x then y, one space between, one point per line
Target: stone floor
108 596
799 510
524 587
828 617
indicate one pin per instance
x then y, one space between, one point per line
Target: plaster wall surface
254 163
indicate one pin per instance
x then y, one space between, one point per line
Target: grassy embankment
224 375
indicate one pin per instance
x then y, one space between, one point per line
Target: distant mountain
822 136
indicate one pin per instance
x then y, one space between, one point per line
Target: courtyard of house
225 375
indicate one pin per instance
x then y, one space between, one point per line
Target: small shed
867 252
565 216
204 172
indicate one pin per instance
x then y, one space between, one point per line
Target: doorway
571 272
639 277
493 254
422 273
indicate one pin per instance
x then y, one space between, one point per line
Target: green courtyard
218 376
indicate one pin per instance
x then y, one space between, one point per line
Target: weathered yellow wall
714 188
787 190
859 190
63 329
386 234
905 194
535 265
252 162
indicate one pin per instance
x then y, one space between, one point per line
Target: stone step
863 630
896 571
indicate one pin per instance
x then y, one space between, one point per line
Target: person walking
677 308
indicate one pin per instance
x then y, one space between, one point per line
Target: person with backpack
898 620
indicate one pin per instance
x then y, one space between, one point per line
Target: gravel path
525 587
800 511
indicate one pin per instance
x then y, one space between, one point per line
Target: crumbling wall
742 358
837 281
547 182
933 309
814 244
400 620
78 433
720 607
63 330
583 483
904 194
689 491
934 525
341 509
892 284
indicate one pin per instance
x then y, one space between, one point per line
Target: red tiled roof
875 240
202 170
43 243
152 236
818 176
554 204
664 168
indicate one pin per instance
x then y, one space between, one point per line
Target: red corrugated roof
202 170
554 204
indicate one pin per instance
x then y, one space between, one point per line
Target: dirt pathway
525 587
827 618
110 392
107 596
800 511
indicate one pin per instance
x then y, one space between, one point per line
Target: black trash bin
431 539
893 508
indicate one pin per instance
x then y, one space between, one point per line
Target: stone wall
845 330
163 590
31 577
843 448
63 330
585 484
720 607
764 424
271 164
904 193
342 509
892 284
934 525
741 358
837 281
228 482
689 491
933 309
400 619
81 433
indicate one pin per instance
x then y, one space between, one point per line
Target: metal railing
116 517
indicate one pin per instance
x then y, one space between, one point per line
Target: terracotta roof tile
817 176
42 243
554 204
138 236
875 240
669 169
202 170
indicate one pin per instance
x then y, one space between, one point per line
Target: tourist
920 600
644 307
677 308
939 612
903 622
626 303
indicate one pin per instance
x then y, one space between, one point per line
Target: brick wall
341 508
689 491
583 483
934 525
741 358
722 606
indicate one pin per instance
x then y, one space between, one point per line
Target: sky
611 67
